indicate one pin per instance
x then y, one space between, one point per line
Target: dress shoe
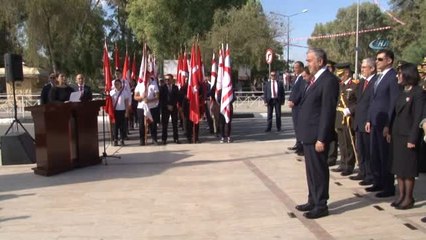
396 202
164 142
357 177
339 169
423 219
115 143
122 143
267 130
373 189
314 214
305 207
385 194
365 182
407 206
300 153
346 173
141 143
279 130
330 164
292 148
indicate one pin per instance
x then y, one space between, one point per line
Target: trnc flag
108 108
179 82
126 68
143 79
219 75
116 58
227 90
213 74
193 87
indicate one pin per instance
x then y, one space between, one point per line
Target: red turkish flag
108 108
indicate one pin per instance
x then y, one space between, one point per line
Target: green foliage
342 49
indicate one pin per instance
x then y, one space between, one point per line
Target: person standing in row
85 91
61 92
385 93
294 103
169 94
404 134
120 100
273 96
44 96
316 128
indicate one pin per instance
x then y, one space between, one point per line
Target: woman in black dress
405 134
61 92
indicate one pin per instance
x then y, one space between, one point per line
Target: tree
342 49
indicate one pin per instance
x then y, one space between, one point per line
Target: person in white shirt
120 100
153 100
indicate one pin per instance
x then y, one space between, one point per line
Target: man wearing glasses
273 93
385 93
44 96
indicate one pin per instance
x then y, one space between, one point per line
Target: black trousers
141 122
294 114
120 124
165 115
225 128
364 154
155 112
347 155
380 162
318 176
274 104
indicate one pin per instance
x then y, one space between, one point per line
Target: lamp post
357 41
288 32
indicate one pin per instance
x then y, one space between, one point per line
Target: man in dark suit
294 102
385 93
169 94
273 93
86 91
44 96
357 112
316 130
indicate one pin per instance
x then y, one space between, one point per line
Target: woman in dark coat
61 92
404 134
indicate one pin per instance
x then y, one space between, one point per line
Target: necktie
80 88
274 91
310 83
365 85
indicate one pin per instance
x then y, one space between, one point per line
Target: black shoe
423 219
330 164
314 214
396 202
115 143
365 182
305 207
357 177
164 142
292 148
385 194
177 141
279 130
122 142
373 188
346 173
141 143
339 169
300 153
267 130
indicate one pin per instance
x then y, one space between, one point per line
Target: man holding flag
226 99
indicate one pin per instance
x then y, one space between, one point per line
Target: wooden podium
66 136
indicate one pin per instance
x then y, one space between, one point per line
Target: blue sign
379 44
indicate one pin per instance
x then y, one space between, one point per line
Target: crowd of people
376 123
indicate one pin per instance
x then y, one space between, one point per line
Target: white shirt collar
318 74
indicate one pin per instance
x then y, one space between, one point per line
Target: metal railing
243 98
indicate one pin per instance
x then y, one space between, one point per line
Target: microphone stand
105 156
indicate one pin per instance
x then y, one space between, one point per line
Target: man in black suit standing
382 103
294 102
44 96
86 91
316 130
364 93
169 94
273 93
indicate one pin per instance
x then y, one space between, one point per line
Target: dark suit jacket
383 100
169 98
297 92
267 93
408 113
44 96
87 93
318 110
363 103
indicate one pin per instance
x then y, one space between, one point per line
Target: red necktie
310 83
81 88
274 91
365 85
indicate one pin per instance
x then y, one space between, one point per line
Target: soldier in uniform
343 124
332 151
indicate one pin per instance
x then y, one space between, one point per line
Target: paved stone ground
243 190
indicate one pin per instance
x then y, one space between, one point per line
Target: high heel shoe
405 207
396 203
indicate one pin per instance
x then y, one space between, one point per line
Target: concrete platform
243 190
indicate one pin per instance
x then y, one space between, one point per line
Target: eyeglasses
272 75
380 59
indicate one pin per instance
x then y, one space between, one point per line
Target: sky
302 25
